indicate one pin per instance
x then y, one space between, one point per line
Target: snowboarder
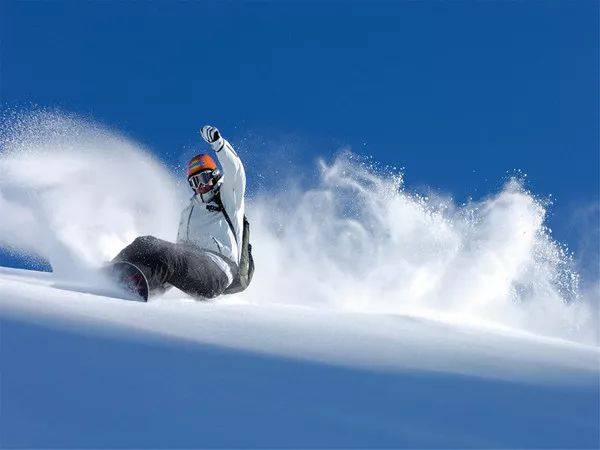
212 254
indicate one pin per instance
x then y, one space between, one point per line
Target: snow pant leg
184 266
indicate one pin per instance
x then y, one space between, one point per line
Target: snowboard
129 278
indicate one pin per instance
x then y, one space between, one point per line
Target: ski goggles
200 179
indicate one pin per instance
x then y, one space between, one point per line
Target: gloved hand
210 134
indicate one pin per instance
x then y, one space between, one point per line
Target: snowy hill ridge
384 341
75 362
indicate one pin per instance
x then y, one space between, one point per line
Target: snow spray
75 193
358 240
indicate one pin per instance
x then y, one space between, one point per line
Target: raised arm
234 175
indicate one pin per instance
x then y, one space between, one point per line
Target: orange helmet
200 163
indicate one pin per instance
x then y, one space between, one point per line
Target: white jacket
209 229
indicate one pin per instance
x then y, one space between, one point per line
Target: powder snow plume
75 193
360 241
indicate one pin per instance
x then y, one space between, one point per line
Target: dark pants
184 266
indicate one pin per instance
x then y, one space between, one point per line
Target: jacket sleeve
184 218
234 175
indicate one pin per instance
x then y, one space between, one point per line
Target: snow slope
81 370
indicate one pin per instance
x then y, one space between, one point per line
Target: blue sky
458 93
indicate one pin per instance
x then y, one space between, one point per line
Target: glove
210 134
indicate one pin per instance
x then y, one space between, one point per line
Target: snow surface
82 370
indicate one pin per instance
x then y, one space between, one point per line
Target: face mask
202 182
